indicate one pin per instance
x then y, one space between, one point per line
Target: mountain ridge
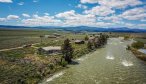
77 28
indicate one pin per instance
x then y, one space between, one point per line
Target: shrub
128 47
86 38
63 63
51 66
126 37
138 44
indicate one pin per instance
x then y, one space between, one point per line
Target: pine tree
86 38
67 50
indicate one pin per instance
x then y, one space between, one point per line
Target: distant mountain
8 26
96 29
77 28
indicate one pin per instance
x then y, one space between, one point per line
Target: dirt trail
33 45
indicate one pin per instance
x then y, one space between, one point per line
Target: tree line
97 41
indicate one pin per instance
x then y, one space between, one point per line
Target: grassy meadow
15 38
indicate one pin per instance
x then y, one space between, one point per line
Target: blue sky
97 13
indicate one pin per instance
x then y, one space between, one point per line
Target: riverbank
25 66
79 57
96 68
138 54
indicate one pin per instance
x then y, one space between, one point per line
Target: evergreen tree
103 39
67 50
86 38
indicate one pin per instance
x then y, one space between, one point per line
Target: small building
50 50
79 42
52 36
46 36
55 34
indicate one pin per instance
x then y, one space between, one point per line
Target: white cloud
130 25
46 14
41 20
119 3
142 25
12 17
77 20
135 17
35 16
71 15
104 24
68 18
134 11
113 18
134 14
96 18
9 17
81 6
67 14
71 18
89 1
100 11
26 15
21 3
2 19
114 3
6 1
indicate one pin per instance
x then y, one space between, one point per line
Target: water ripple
127 63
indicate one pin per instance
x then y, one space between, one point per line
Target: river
112 64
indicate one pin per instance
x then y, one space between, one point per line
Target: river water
112 64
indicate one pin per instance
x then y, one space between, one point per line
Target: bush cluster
137 45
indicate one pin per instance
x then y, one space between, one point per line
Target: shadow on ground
74 63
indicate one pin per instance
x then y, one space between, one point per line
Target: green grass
15 38
80 50
141 40
17 53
